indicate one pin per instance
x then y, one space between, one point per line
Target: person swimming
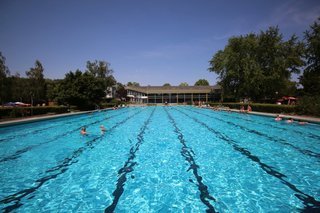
102 129
83 131
290 120
278 118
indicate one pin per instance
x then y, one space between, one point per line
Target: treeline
84 89
260 66
30 89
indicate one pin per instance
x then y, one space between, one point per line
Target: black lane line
308 134
276 140
310 203
188 154
128 167
19 152
40 130
57 170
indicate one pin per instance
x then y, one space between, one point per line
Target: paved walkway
285 116
38 118
45 117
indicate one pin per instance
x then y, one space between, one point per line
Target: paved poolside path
285 116
45 117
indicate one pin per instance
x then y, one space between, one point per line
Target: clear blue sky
148 41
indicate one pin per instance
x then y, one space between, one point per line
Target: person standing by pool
242 109
249 109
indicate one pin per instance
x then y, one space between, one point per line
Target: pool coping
44 117
274 115
48 117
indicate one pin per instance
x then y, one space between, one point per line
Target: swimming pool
160 159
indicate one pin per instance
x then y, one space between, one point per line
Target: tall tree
311 75
80 89
4 83
101 70
257 66
37 87
202 82
121 92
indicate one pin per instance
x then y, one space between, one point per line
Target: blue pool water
160 159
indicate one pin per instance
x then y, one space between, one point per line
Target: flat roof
173 89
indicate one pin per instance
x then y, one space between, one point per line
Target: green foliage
101 70
202 82
133 84
311 75
4 83
80 89
112 103
166 85
257 66
183 84
37 84
19 89
309 105
121 92
52 89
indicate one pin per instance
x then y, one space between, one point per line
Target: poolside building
173 94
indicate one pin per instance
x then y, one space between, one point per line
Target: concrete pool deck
46 117
40 118
274 115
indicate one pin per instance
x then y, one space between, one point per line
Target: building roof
173 89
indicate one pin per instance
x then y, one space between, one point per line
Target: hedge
15 112
271 108
309 105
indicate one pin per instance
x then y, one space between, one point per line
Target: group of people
289 120
242 110
83 130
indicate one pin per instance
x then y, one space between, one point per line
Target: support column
191 98
206 97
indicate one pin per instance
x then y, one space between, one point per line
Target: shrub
309 105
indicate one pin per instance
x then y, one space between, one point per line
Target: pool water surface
160 159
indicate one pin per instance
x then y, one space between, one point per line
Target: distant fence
16 112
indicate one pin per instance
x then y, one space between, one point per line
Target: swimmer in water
83 131
102 129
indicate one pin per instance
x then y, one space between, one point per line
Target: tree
311 75
183 84
121 92
52 88
19 89
4 74
101 71
257 66
202 82
80 89
166 85
37 86
133 84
